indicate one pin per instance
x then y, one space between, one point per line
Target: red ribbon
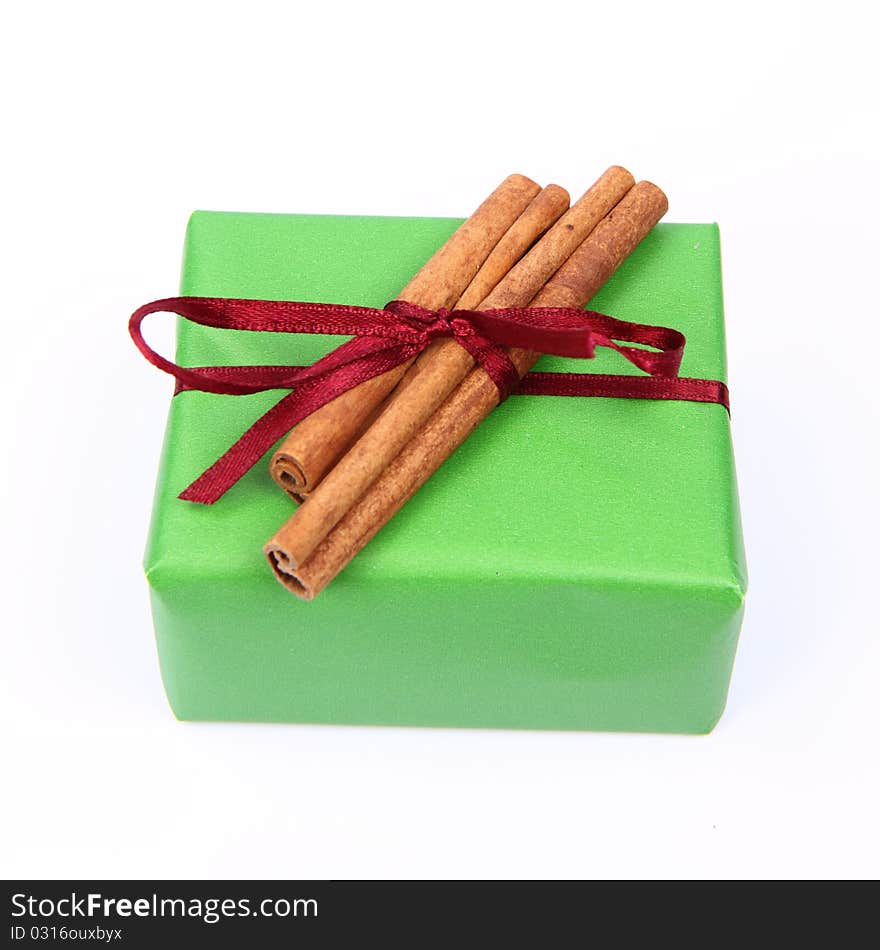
383 339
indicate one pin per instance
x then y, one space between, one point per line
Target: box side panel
552 656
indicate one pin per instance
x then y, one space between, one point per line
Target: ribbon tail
625 387
243 454
283 416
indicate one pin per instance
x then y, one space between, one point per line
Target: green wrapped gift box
577 564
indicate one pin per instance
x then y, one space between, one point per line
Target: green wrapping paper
577 564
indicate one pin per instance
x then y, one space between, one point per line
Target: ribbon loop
385 338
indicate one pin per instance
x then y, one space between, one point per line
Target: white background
121 118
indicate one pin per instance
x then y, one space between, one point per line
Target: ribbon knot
386 338
427 324
463 326
441 324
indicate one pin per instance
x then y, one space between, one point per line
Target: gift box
576 564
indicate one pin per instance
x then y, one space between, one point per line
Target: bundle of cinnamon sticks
356 461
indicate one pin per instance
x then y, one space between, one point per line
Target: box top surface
604 491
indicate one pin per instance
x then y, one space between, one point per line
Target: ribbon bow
385 338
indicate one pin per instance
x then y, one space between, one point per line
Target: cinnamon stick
544 210
575 283
433 376
315 445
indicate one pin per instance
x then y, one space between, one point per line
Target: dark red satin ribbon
383 339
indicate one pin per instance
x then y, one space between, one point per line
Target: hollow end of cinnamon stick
287 472
285 572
